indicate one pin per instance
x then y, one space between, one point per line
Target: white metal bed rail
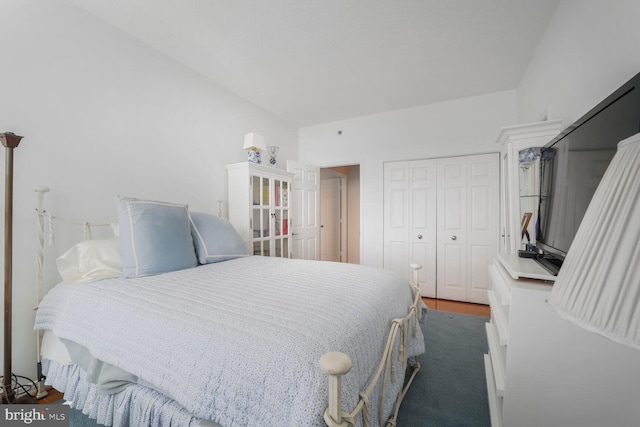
337 364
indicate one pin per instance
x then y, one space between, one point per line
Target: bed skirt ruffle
136 405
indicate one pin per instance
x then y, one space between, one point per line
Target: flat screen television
571 166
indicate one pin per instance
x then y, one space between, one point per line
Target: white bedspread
238 342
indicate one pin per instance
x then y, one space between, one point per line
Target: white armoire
444 214
520 183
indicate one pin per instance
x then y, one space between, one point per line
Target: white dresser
542 370
516 283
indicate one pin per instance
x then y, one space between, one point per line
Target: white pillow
155 237
215 239
115 227
91 260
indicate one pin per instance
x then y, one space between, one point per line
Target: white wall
459 127
103 114
588 51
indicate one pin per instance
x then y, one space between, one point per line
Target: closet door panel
396 217
423 224
397 210
396 257
451 235
484 222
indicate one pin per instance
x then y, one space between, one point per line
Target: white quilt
238 342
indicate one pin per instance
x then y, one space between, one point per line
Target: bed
227 340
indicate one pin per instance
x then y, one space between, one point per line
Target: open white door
305 210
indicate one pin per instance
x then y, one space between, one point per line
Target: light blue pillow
155 237
215 239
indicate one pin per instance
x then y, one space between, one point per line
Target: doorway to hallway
340 214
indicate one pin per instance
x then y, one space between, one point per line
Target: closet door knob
454 237
420 236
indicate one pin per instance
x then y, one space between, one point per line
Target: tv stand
550 264
524 268
542 370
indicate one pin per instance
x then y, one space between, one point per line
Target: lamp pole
10 141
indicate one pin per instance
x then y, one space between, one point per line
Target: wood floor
457 307
53 395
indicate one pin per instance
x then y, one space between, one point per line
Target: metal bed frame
334 364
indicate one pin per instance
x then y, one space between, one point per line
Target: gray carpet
450 389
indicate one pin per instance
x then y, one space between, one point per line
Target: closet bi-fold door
468 225
410 220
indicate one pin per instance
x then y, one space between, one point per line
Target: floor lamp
10 141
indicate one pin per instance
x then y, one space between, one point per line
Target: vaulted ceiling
316 61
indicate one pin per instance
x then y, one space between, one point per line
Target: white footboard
337 364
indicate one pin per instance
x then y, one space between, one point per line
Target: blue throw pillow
155 237
215 239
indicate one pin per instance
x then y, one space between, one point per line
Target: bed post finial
41 189
335 364
415 267
219 209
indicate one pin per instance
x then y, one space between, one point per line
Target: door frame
326 174
360 210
